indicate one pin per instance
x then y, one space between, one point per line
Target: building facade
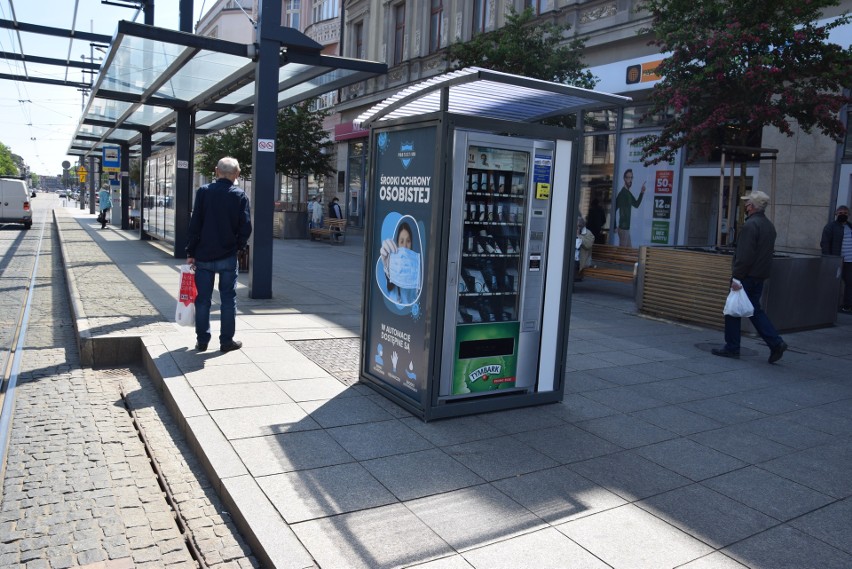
809 176
812 174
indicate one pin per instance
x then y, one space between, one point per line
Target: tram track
15 353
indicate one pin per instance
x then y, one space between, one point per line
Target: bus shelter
159 88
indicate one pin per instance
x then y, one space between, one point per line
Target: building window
292 11
325 10
847 149
399 32
534 4
481 8
435 17
358 40
324 101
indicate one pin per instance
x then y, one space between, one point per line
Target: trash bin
243 258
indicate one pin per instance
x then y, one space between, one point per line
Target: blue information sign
111 161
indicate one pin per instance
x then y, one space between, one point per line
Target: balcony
325 33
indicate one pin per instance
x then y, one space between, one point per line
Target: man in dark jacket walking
751 266
837 240
219 227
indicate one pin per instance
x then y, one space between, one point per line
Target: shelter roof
485 93
149 74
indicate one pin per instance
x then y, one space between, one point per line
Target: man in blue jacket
219 227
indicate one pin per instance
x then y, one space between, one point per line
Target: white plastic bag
185 311
738 304
185 314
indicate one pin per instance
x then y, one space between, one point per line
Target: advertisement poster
645 201
486 357
399 288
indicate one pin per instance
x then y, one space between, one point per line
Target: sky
37 121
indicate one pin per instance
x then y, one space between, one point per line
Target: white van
15 202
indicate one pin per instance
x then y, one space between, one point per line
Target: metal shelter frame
159 88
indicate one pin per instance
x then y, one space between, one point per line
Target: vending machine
469 251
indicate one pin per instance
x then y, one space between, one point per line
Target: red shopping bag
185 311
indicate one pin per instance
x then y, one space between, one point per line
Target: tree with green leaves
7 162
523 47
234 141
735 66
302 144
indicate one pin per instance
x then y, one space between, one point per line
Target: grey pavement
661 455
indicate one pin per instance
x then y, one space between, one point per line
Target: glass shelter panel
159 201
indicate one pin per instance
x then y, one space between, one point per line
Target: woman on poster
401 265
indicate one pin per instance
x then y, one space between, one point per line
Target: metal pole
91 184
721 199
125 186
732 202
144 190
772 190
263 161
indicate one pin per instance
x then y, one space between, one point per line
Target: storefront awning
151 73
481 92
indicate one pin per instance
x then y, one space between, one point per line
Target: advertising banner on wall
397 322
645 204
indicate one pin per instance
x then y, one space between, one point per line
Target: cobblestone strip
214 533
79 488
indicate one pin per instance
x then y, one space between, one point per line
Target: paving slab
545 549
645 542
785 547
473 517
708 516
768 493
691 459
629 475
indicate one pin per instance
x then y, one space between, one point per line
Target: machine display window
496 182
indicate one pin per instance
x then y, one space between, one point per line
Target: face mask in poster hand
404 268
401 265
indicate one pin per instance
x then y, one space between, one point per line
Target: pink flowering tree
736 66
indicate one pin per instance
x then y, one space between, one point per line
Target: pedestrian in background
596 220
334 211
837 240
583 248
220 226
316 215
751 266
311 205
104 204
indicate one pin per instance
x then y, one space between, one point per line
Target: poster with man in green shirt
624 204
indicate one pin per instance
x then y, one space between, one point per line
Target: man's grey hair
581 223
228 165
758 199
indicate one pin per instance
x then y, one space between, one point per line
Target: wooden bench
612 263
332 229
